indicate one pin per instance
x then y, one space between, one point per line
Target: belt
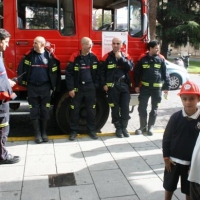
84 83
39 84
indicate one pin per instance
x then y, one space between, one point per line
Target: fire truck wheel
14 106
62 111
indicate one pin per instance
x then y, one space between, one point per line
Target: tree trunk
152 18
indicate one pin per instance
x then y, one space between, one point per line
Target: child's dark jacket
180 136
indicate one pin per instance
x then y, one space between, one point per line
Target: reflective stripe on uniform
94 66
27 62
48 105
3 124
111 66
146 66
111 104
110 84
72 106
157 65
75 89
94 106
76 68
154 84
145 83
24 83
157 85
54 69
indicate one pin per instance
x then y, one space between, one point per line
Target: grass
194 67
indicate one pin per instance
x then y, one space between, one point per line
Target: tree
152 18
179 21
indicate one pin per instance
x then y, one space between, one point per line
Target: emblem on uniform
198 126
45 61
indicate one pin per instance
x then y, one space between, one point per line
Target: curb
52 137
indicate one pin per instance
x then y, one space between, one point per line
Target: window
117 16
42 14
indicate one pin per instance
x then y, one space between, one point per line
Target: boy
179 140
194 175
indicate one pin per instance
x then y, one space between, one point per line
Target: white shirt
194 175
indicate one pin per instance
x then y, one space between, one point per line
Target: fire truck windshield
120 15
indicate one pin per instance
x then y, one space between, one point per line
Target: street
20 124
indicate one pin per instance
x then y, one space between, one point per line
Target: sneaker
10 160
73 135
93 135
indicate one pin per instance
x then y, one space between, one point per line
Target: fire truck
63 23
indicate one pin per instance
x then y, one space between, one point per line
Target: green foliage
179 22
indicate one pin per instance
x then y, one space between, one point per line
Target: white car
178 75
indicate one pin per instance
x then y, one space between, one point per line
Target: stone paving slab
109 168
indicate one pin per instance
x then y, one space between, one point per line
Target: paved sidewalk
109 168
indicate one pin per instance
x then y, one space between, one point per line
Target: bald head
85 40
39 44
86 44
116 44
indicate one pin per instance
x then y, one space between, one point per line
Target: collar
194 116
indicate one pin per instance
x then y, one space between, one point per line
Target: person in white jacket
194 175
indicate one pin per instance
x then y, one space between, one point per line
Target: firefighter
6 94
116 82
41 76
82 80
151 72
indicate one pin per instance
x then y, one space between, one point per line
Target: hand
12 83
137 89
72 93
118 55
168 164
165 91
105 88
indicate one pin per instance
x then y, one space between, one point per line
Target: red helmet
189 88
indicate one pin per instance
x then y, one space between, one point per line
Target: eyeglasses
116 43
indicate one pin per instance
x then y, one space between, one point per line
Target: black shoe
125 133
38 140
10 160
73 135
45 138
119 133
93 135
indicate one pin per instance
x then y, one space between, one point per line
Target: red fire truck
63 23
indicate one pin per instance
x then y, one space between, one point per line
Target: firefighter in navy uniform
151 73
116 82
82 80
6 94
42 76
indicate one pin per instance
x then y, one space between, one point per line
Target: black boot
73 135
143 126
118 131
151 123
36 128
124 126
43 124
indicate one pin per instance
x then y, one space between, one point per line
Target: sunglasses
116 43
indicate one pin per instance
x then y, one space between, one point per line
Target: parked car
178 75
